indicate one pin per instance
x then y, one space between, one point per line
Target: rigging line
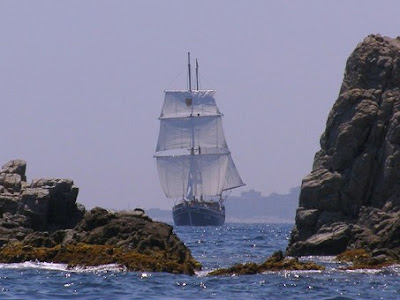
173 80
228 193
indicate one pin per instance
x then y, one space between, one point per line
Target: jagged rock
16 166
276 262
42 221
327 241
9 203
306 217
103 237
97 217
11 182
35 205
353 190
362 259
62 198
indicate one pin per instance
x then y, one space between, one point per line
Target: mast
190 75
197 87
197 75
191 183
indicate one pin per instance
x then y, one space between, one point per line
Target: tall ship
194 163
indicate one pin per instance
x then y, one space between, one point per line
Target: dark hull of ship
198 214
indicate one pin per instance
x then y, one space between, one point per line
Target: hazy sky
81 85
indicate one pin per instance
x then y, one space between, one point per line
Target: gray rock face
44 203
16 166
45 215
351 198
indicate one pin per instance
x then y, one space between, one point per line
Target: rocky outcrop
42 221
44 204
351 199
276 262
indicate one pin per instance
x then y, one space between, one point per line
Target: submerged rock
362 259
277 262
42 221
351 199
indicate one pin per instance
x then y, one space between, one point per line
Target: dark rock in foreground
351 199
43 222
277 262
362 259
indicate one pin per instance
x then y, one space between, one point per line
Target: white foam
35 265
64 267
203 273
100 268
320 259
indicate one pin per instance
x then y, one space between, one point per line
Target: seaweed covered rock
42 221
351 199
276 262
362 259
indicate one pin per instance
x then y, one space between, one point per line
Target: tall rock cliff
351 199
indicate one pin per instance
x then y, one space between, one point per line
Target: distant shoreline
166 217
250 207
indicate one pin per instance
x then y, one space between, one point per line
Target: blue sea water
214 247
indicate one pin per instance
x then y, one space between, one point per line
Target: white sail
195 175
197 132
193 158
185 103
232 177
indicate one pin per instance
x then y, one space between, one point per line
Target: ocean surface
214 247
